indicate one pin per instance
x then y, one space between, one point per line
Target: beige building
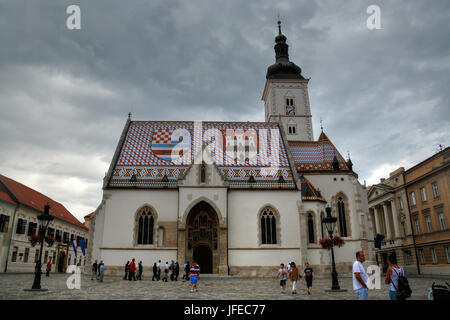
411 210
26 205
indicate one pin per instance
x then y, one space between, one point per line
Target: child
282 273
194 274
294 277
308 276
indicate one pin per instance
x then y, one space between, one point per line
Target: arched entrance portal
202 237
203 255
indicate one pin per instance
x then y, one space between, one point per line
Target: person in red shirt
194 274
132 271
49 267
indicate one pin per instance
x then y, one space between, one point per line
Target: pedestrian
158 277
101 270
308 276
294 277
392 275
360 277
127 270
131 273
49 267
140 270
282 273
98 274
177 270
289 266
172 269
187 270
184 271
194 274
166 272
155 272
94 270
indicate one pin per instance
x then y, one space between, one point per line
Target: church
237 197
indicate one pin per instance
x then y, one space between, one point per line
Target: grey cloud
383 94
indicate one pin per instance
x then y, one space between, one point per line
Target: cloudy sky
65 94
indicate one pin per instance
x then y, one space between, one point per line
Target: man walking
94 270
132 270
140 269
155 272
158 265
177 270
101 270
360 277
172 270
127 270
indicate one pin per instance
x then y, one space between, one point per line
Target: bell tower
285 95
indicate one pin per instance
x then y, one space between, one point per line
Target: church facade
238 197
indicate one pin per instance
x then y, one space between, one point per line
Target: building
8 210
411 209
428 189
390 217
20 206
238 197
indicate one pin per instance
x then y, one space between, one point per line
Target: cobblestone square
210 287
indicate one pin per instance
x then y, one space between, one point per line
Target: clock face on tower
290 110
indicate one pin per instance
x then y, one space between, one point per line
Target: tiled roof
309 193
145 158
316 155
36 200
89 215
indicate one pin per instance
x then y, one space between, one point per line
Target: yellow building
411 210
428 188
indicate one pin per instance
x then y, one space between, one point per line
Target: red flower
328 243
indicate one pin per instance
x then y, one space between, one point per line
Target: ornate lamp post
44 221
330 223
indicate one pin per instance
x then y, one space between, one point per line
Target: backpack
403 291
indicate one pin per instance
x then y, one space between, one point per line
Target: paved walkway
210 287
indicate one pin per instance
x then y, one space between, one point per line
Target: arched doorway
62 255
203 255
202 237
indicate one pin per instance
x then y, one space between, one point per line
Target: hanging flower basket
328 243
50 240
34 239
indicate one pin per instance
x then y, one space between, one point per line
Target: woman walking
308 276
392 275
294 276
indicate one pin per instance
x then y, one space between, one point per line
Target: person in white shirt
360 277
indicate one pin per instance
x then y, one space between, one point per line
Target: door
203 256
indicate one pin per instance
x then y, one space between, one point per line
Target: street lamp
330 223
44 221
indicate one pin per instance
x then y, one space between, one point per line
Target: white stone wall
243 212
275 94
357 199
121 209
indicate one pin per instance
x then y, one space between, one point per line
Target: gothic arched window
311 228
342 217
268 227
145 225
